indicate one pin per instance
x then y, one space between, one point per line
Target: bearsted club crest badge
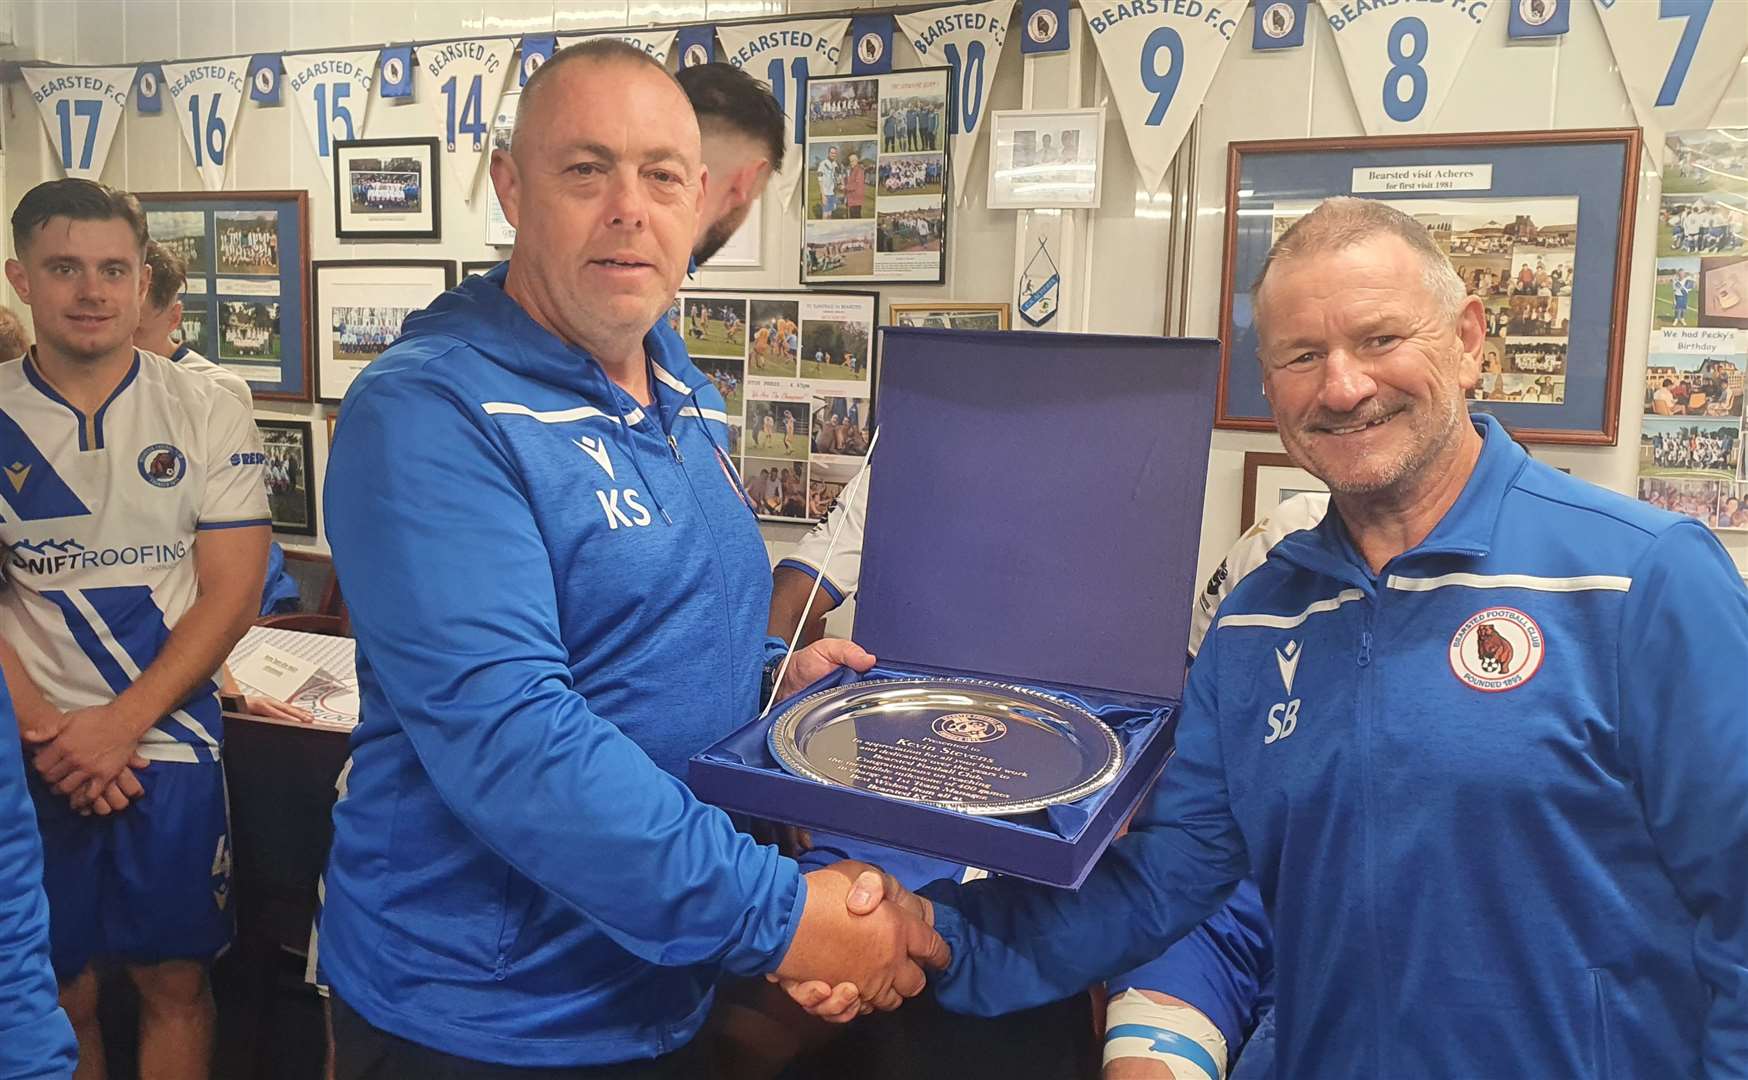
1497 649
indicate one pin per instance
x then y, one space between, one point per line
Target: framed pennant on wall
1537 224
247 256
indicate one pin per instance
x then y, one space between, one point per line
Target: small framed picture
333 417
1270 480
358 306
291 466
472 269
1046 159
387 189
951 315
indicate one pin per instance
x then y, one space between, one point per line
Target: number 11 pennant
1160 64
465 79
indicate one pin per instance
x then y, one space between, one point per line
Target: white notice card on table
274 672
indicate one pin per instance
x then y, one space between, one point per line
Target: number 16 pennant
204 96
1160 64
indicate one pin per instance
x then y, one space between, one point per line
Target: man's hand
876 960
273 707
115 798
869 888
90 750
818 660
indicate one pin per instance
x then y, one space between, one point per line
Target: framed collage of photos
1690 441
244 307
387 189
1537 224
797 372
876 178
291 467
359 305
951 315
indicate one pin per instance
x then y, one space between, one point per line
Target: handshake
863 944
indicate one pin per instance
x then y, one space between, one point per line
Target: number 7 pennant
205 96
1676 57
466 79
1160 65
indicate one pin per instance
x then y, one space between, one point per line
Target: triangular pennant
696 45
784 56
657 43
333 94
81 108
205 96
1401 63
1159 64
1038 295
1676 58
967 38
466 80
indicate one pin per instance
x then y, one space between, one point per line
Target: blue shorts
149 884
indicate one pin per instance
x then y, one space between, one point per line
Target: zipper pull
675 447
1365 647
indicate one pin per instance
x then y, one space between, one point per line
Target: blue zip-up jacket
558 597
36 1041
1485 854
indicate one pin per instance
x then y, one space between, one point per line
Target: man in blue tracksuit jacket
1479 736
559 595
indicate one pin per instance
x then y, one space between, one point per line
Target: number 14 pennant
1160 64
466 80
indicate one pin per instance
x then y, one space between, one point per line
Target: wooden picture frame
1270 478
950 315
373 289
291 474
1476 192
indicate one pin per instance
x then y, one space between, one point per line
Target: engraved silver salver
978 747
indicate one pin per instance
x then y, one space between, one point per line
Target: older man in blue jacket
1478 736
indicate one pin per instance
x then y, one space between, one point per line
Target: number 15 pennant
1160 64
333 93
466 79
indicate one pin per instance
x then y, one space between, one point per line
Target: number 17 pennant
1160 64
466 79
81 108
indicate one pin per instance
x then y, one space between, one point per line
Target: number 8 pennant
466 80
1401 66
1159 65
205 96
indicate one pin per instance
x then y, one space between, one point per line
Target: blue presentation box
1034 518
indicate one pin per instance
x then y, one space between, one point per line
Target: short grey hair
1343 221
596 50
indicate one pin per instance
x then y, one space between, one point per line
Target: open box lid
1035 506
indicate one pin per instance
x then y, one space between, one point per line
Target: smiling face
603 186
84 281
1366 373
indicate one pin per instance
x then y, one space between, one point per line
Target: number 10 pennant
466 79
1160 65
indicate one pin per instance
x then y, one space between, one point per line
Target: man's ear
507 182
749 181
20 282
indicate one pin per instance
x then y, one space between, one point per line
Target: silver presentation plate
978 747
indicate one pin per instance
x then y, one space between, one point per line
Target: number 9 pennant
466 80
1159 65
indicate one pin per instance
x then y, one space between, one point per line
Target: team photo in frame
876 178
290 474
1046 159
1538 224
387 189
247 258
951 315
359 305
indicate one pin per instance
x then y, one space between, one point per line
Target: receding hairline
596 51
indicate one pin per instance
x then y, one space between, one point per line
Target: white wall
1566 83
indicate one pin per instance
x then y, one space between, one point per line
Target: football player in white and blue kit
133 507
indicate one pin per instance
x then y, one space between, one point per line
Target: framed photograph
291 467
1046 159
1269 481
359 306
1537 224
332 417
744 246
951 315
797 373
469 269
245 304
876 178
387 189
499 231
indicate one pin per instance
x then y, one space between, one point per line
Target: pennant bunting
1676 57
80 109
264 79
968 39
205 96
871 44
333 94
149 89
784 56
537 49
397 71
696 45
1046 23
1159 64
1402 61
1279 24
658 43
1539 18
466 80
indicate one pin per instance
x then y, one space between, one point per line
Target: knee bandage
1138 1027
